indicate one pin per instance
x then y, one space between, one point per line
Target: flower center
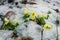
47 27
33 14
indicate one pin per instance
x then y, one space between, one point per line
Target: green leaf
15 31
9 26
25 16
17 24
25 20
47 16
49 12
41 21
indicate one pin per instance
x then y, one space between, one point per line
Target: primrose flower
44 15
15 21
47 27
33 15
6 21
26 11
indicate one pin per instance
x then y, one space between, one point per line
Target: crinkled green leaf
25 16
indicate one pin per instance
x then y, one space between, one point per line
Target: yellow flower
26 11
15 21
47 27
44 15
33 15
6 21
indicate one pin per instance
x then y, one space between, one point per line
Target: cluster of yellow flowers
7 21
34 15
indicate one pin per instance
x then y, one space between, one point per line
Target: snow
40 7
5 34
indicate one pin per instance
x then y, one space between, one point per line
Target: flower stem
42 34
57 33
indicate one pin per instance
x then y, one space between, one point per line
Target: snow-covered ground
32 30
